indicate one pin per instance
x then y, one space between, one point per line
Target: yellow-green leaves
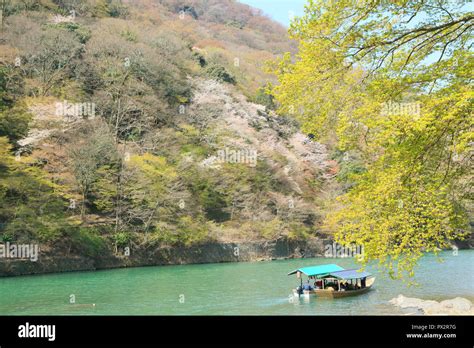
389 81
154 167
152 175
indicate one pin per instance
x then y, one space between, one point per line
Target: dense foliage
392 83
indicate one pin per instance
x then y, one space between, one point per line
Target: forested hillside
152 124
147 123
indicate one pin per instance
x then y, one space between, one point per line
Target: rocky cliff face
206 253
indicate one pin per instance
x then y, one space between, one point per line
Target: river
250 288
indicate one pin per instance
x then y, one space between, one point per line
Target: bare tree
85 159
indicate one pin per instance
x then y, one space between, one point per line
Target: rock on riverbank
455 306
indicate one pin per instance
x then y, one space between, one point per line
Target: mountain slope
136 125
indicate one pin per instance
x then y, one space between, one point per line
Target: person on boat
307 286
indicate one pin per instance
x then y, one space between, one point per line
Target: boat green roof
318 270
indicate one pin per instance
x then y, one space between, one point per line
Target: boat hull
338 294
329 293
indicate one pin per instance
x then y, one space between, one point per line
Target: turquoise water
253 288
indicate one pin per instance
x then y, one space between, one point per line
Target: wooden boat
332 281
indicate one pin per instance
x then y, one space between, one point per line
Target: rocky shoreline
214 252
198 254
455 306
